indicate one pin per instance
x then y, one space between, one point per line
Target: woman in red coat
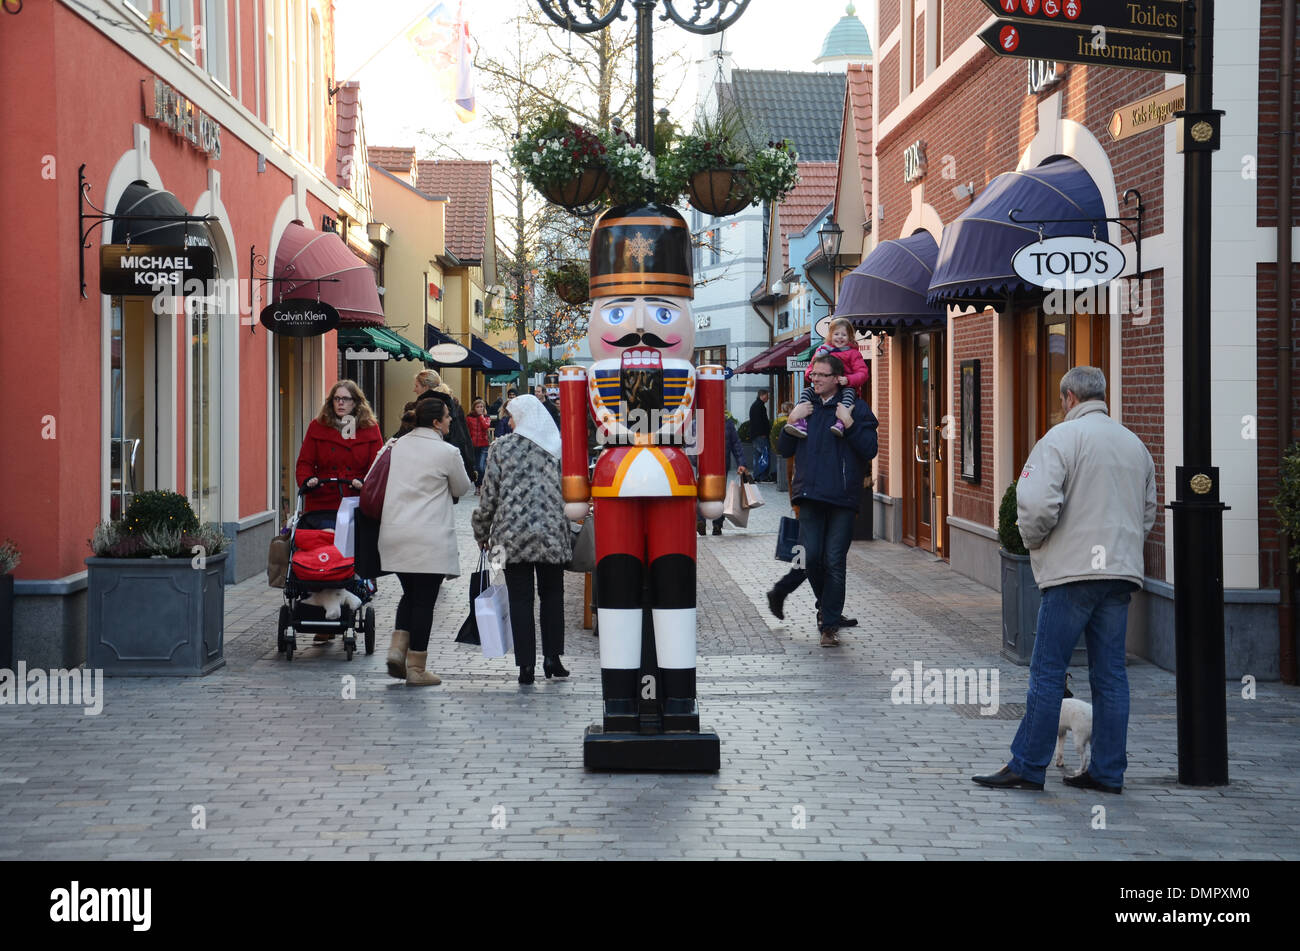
479 427
341 443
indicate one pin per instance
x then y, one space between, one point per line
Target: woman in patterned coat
520 518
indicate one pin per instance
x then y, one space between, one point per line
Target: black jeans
550 589
415 609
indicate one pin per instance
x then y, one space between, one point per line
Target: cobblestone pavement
817 762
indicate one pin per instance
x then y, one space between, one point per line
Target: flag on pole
441 39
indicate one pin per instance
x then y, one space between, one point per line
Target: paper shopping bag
750 496
733 509
492 612
345 526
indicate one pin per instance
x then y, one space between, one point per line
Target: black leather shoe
526 675
1005 779
699 529
776 604
848 621
552 667
1085 781
717 529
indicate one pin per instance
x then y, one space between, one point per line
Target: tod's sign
1068 262
297 317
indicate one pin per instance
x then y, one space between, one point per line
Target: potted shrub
564 161
156 591
1020 594
10 558
570 282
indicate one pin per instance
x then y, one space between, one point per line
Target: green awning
380 340
501 379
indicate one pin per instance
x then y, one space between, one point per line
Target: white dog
1076 718
333 599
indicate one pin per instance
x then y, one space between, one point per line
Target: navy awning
498 361
153 219
975 254
887 291
433 337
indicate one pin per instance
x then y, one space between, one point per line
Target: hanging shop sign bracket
255 261
1130 223
98 217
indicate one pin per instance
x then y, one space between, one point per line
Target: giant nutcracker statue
653 411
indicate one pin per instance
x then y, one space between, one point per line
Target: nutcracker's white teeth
642 360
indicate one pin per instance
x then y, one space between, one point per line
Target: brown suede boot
416 675
397 654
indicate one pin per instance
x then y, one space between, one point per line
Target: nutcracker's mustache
635 339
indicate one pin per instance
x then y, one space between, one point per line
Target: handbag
375 484
583 559
366 557
750 496
277 561
733 509
468 633
492 614
345 526
787 538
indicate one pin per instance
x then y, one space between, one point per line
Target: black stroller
316 566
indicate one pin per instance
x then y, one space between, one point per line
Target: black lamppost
583 16
829 236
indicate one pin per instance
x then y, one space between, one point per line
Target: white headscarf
534 423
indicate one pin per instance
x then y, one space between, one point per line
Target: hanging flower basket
570 282
590 184
720 191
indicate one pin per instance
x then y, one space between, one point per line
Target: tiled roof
806 108
469 186
858 111
400 160
809 198
350 172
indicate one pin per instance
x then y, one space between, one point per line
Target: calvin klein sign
297 317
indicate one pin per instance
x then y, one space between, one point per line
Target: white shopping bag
750 496
492 613
345 526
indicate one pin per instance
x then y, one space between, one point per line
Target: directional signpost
1147 35
1172 38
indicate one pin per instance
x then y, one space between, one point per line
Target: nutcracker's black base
658 752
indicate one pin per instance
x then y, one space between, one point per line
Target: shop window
710 355
1047 346
206 327
783 321
179 14
213 41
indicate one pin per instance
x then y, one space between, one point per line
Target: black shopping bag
366 552
787 538
479 580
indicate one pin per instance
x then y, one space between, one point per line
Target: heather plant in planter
156 591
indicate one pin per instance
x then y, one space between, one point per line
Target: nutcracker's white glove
575 511
710 510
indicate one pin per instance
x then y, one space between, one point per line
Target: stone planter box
1020 601
155 616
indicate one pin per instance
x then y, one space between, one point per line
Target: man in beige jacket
1086 499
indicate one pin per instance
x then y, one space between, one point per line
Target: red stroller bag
317 559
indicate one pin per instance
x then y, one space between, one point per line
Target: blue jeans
480 463
762 456
1098 610
825 532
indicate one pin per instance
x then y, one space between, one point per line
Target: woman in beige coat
417 536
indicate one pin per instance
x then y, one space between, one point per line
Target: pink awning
304 255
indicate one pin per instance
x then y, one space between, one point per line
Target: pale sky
392 85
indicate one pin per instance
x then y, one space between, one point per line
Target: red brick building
950 117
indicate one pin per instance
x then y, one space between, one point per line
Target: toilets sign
1068 262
